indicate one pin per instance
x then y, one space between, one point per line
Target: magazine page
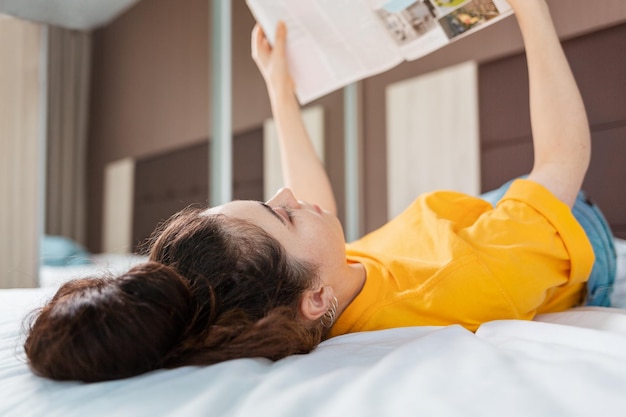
420 27
330 43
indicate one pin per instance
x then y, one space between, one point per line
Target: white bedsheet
562 364
566 364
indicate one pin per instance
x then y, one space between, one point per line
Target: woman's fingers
272 60
261 48
281 38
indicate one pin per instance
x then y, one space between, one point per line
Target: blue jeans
602 277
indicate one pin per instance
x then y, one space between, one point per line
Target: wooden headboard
168 182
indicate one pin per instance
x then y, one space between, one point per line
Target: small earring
328 319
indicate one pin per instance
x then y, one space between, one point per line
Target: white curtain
21 151
69 57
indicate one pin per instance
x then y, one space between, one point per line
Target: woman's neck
351 285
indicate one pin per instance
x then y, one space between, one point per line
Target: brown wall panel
606 180
499 164
599 65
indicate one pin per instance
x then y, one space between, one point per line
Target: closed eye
284 213
273 212
290 213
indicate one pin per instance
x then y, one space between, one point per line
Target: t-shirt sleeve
534 248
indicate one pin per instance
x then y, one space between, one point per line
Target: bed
562 364
98 264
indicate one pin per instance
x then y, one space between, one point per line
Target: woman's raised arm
561 137
302 170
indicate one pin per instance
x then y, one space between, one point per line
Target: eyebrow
278 216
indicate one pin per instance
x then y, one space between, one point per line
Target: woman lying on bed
254 279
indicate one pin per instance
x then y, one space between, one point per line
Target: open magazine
332 43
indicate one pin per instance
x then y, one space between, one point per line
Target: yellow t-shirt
450 258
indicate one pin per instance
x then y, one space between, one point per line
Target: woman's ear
316 302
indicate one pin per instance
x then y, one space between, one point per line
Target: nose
284 197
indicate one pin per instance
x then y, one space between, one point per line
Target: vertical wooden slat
432 140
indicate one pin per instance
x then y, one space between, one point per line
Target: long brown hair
214 289
248 289
103 328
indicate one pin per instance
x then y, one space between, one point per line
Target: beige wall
151 88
